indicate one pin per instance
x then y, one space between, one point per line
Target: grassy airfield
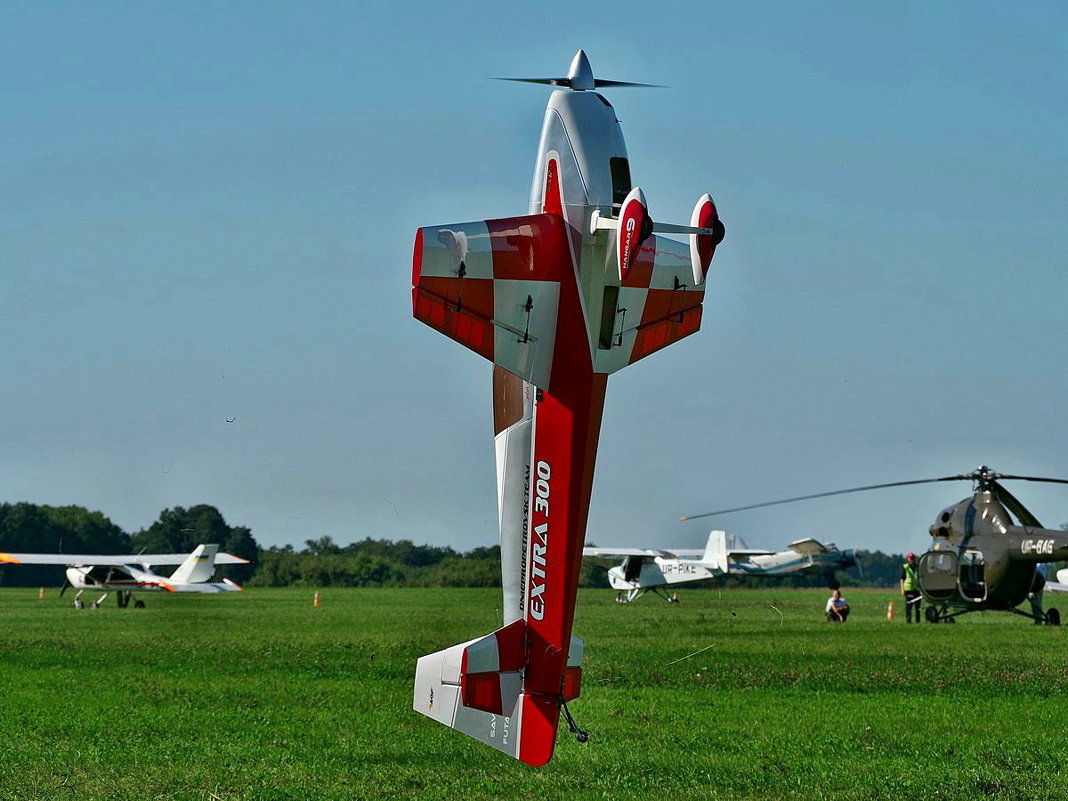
731 694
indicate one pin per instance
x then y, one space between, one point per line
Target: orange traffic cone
315 600
40 593
890 611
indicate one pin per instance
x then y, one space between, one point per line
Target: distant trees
322 562
377 563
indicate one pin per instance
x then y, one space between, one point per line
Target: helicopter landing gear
935 614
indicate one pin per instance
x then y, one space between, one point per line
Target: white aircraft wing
650 552
1061 584
494 286
79 559
808 547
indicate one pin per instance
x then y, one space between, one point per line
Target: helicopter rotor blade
827 495
1010 502
1033 478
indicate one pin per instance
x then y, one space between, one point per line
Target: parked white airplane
129 573
647 570
1061 584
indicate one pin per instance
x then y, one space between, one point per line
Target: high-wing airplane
125 574
557 299
648 570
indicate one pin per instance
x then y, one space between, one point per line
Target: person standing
910 588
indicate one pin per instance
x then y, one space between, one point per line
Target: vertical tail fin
716 551
198 567
476 687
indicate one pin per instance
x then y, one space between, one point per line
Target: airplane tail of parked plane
715 555
477 688
198 567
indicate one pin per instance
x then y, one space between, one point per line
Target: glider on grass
125 574
557 299
649 570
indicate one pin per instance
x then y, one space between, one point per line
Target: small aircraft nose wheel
78 604
1053 617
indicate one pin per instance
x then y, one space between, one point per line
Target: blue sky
208 212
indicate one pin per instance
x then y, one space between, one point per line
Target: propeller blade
1009 501
63 589
827 495
597 82
548 81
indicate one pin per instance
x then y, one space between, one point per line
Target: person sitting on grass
837 609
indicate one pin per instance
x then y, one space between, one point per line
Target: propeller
66 584
983 477
579 77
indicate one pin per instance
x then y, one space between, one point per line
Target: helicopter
984 552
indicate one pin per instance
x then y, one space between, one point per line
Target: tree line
26 527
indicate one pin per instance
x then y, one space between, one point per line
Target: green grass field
731 694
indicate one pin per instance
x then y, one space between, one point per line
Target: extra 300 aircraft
648 570
129 573
557 299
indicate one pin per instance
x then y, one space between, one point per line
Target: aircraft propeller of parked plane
557 299
649 570
129 573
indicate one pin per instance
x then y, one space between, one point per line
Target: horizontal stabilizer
476 687
202 586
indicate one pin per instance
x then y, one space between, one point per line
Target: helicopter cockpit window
945 563
938 574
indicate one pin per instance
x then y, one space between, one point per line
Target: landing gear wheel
94 605
139 604
1053 617
931 614
78 604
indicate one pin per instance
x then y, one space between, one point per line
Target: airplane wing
656 306
75 559
494 286
1061 584
649 552
808 547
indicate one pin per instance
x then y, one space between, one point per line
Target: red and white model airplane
558 299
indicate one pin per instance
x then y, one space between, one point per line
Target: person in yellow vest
910 588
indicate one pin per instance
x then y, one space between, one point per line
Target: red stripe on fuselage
566 426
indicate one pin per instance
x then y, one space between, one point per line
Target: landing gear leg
580 735
96 604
